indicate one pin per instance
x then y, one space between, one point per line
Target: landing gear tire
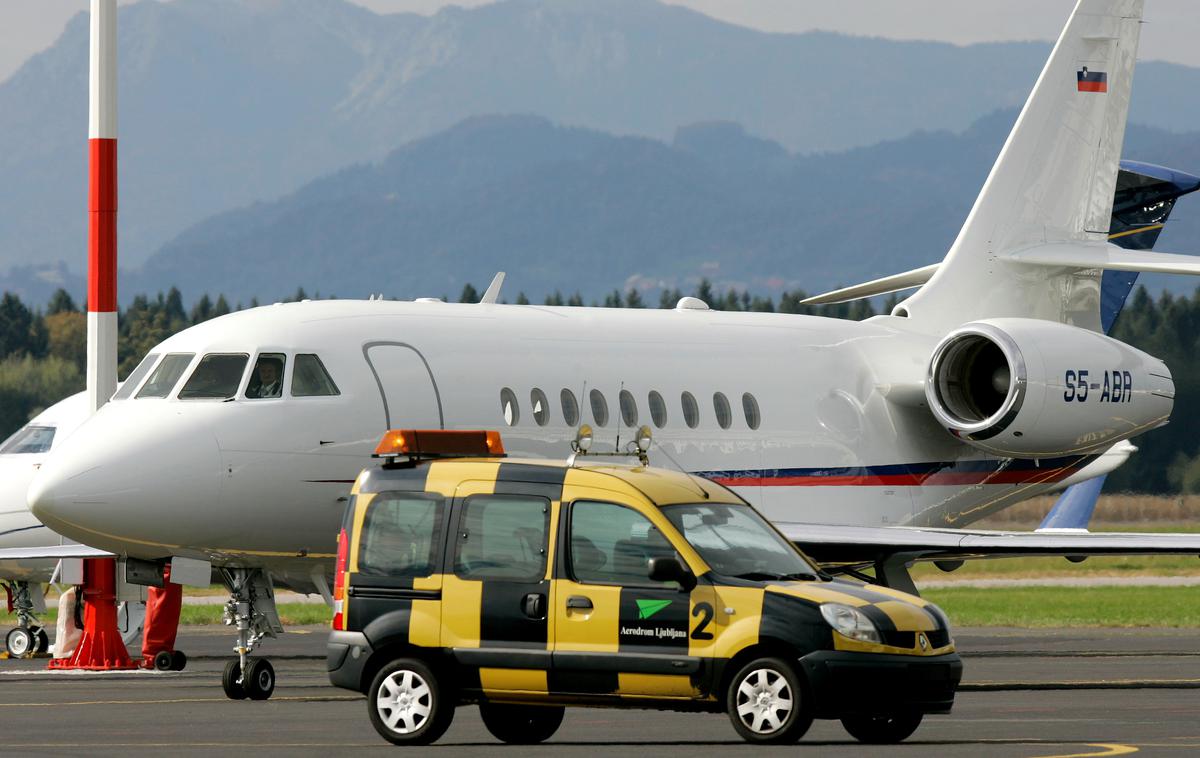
521 724
408 705
43 639
178 660
882 730
229 681
21 642
259 681
766 703
163 660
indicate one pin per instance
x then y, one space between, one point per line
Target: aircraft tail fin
1053 182
1074 507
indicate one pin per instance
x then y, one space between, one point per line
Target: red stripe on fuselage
941 478
102 225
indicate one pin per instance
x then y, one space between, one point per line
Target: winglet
491 294
1074 507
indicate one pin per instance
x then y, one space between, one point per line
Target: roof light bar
429 443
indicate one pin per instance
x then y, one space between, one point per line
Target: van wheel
521 724
882 730
766 703
407 705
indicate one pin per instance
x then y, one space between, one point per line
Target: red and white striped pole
102 206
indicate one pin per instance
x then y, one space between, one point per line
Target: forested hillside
42 352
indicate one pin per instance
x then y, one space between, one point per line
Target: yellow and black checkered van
528 586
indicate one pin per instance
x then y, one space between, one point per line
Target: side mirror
670 570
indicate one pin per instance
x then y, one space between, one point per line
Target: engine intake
1028 388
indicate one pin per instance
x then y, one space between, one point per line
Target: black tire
162 660
521 724
259 681
229 681
178 660
43 639
767 704
21 642
882 730
408 704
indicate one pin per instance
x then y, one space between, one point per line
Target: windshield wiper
767 576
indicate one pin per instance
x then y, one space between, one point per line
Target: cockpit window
310 379
164 378
28 439
134 379
217 376
267 379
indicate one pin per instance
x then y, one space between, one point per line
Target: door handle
579 602
534 605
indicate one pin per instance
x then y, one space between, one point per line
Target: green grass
1008 568
292 614
1070 606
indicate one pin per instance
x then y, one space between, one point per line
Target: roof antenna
493 291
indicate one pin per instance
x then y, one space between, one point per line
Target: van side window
502 537
612 544
310 379
401 535
164 378
266 381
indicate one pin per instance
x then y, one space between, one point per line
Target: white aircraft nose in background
99 482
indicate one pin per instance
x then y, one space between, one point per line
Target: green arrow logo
647 608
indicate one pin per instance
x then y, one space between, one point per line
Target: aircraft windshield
217 376
28 439
164 378
267 379
735 541
135 378
310 379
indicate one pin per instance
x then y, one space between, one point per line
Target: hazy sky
27 26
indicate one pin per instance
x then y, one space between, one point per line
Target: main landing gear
251 608
28 638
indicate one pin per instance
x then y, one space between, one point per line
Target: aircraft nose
124 476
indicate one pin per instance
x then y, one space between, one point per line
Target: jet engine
1026 388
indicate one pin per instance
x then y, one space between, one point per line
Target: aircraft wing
52 551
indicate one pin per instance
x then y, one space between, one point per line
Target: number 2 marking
707 611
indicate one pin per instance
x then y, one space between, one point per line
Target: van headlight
850 622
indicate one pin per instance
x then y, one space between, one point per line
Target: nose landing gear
251 608
27 639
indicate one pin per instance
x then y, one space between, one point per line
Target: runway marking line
1105 751
285 698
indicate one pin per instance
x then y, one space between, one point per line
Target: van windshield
735 541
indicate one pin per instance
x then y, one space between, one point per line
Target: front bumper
845 683
346 655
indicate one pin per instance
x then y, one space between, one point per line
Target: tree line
43 354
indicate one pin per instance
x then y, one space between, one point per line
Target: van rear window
401 535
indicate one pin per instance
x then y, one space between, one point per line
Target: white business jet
234 443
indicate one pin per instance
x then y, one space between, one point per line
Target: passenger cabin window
401 535
508 407
217 376
750 408
135 378
503 538
539 406
599 407
658 409
267 379
570 407
164 378
28 439
309 377
691 410
721 408
629 411
612 544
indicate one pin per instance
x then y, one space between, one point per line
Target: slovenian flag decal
1092 81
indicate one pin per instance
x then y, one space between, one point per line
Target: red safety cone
162 625
100 648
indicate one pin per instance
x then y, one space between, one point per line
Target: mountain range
235 108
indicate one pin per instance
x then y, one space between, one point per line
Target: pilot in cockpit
268 378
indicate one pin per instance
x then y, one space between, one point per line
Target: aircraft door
407 389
